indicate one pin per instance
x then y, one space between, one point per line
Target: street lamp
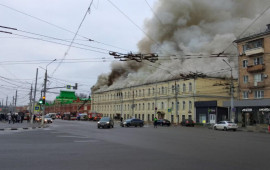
232 116
44 96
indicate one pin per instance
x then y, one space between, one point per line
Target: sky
35 43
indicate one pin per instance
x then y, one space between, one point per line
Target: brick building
254 81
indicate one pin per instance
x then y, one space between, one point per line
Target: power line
59 27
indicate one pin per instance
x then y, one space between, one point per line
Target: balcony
254 51
255 85
256 68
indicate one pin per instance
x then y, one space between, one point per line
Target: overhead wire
59 27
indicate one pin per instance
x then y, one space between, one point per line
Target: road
71 145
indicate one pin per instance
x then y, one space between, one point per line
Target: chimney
268 27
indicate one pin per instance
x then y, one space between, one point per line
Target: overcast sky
22 52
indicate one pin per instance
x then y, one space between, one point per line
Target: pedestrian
22 117
9 118
13 118
121 119
18 118
155 122
34 118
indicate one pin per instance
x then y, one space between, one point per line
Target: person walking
9 117
155 122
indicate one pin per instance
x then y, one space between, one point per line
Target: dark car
163 122
105 122
188 122
132 122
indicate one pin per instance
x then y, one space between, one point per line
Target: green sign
169 110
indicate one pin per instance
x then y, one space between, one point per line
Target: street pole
45 84
30 103
232 115
176 102
34 101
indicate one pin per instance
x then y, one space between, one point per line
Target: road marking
84 141
73 137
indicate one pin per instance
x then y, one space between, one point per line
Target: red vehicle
95 116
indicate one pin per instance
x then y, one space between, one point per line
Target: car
188 122
163 122
48 119
105 122
225 125
132 122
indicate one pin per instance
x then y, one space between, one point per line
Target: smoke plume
185 33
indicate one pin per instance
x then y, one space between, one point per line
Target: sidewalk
18 126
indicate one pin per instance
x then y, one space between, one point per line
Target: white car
225 125
48 119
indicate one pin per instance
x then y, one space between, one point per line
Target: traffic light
43 100
40 101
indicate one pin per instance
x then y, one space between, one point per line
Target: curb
23 128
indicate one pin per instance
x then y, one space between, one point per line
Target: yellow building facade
173 99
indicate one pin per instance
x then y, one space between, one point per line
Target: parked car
188 122
163 122
225 125
132 122
48 119
105 122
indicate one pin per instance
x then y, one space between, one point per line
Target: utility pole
15 101
176 101
12 106
44 96
155 91
133 105
30 104
232 115
34 101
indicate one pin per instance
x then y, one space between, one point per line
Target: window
172 105
184 87
149 92
258 78
153 91
143 92
245 63
177 88
254 44
148 106
184 105
189 105
190 87
162 90
143 106
177 106
245 79
259 94
153 106
245 94
140 106
258 60
162 105
173 89
140 93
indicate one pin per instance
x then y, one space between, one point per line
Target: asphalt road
72 145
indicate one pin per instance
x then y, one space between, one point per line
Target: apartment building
254 81
174 100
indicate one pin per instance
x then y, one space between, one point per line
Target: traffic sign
169 110
37 108
68 86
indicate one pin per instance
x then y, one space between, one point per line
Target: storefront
251 112
209 112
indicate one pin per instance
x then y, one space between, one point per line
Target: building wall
243 71
149 99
